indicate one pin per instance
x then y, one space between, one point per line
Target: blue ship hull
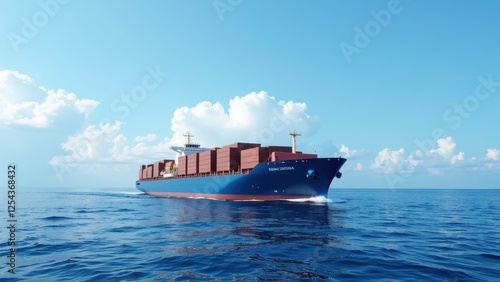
278 180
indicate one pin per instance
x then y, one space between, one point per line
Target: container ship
240 171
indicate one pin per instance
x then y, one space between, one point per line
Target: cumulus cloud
389 161
89 145
22 102
346 152
104 143
493 154
148 138
255 117
457 158
435 161
445 147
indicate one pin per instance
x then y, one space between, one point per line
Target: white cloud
90 145
104 143
256 113
255 117
457 158
446 146
345 152
389 161
147 138
5 73
435 161
22 102
493 154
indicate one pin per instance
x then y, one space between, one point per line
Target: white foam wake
318 199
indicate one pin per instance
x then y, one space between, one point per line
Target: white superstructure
188 148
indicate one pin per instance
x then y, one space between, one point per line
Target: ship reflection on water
286 222
253 234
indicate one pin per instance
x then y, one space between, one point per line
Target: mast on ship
188 148
294 135
188 135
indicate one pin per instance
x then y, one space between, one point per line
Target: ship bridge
189 147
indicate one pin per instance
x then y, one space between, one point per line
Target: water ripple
376 235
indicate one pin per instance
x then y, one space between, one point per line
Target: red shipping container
149 171
242 146
158 168
253 156
250 152
208 157
141 170
280 149
207 161
283 156
228 159
182 166
192 167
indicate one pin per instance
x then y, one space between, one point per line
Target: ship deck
206 174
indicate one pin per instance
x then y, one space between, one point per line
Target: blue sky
408 91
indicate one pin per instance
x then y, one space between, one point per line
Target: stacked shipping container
192 164
158 167
149 171
280 149
228 159
141 172
242 146
169 165
283 156
251 157
234 157
208 161
182 166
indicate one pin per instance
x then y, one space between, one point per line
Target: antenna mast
188 135
294 135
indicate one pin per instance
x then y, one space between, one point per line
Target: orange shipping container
169 165
167 162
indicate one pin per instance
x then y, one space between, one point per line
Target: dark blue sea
353 235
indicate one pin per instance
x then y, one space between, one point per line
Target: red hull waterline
229 197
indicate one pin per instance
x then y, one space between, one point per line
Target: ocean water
354 235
